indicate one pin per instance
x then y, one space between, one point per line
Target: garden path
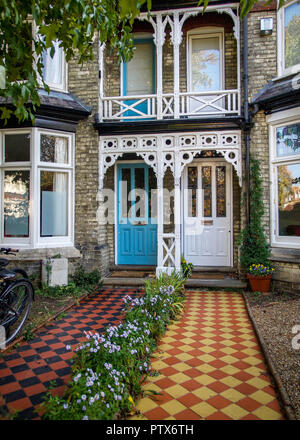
211 366
210 363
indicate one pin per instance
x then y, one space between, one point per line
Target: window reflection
16 203
292 34
289 199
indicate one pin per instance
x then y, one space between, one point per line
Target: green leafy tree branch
28 27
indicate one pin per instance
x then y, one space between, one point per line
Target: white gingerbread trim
180 148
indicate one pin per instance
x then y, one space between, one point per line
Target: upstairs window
289 38
205 69
54 71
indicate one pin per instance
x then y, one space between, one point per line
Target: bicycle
16 296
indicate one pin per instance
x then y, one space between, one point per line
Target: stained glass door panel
207 210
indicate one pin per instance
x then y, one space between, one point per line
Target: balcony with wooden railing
176 91
170 106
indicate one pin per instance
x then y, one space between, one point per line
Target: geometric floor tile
211 366
210 363
26 372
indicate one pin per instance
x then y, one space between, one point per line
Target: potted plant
254 249
259 276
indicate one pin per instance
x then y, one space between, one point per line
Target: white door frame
230 200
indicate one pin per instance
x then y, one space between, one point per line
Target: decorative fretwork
168 149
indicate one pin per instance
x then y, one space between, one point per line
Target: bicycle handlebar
8 251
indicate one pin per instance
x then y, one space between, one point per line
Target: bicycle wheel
15 307
20 273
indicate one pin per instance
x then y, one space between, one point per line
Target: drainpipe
246 116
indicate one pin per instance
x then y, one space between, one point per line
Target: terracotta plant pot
260 284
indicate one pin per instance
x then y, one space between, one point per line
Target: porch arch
173 151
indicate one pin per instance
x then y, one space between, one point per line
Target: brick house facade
178 127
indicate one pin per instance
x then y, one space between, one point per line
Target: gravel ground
275 316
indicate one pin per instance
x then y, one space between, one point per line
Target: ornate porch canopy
173 151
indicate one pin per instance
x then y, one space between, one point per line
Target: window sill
40 254
287 255
285 76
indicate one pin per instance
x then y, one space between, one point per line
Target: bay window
285 171
36 171
289 38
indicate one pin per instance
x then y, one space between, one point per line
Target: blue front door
136 221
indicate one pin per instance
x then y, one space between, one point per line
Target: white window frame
276 120
205 32
282 71
35 166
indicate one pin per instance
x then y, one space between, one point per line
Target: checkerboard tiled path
26 372
211 366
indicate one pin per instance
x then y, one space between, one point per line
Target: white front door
207 213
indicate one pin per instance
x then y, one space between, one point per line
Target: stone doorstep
218 283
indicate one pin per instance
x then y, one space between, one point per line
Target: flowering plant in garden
186 268
259 270
109 369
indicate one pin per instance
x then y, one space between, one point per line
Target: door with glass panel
139 79
136 215
207 214
205 64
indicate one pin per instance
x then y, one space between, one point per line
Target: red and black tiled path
26 372
211 366
210 363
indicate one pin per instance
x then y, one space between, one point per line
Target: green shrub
81 282
82 278
254 247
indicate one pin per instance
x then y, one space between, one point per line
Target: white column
159 39
176 41
160 213
177 211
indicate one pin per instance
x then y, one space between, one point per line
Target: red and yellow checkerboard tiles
211 366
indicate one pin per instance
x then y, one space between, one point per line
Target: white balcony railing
169 106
